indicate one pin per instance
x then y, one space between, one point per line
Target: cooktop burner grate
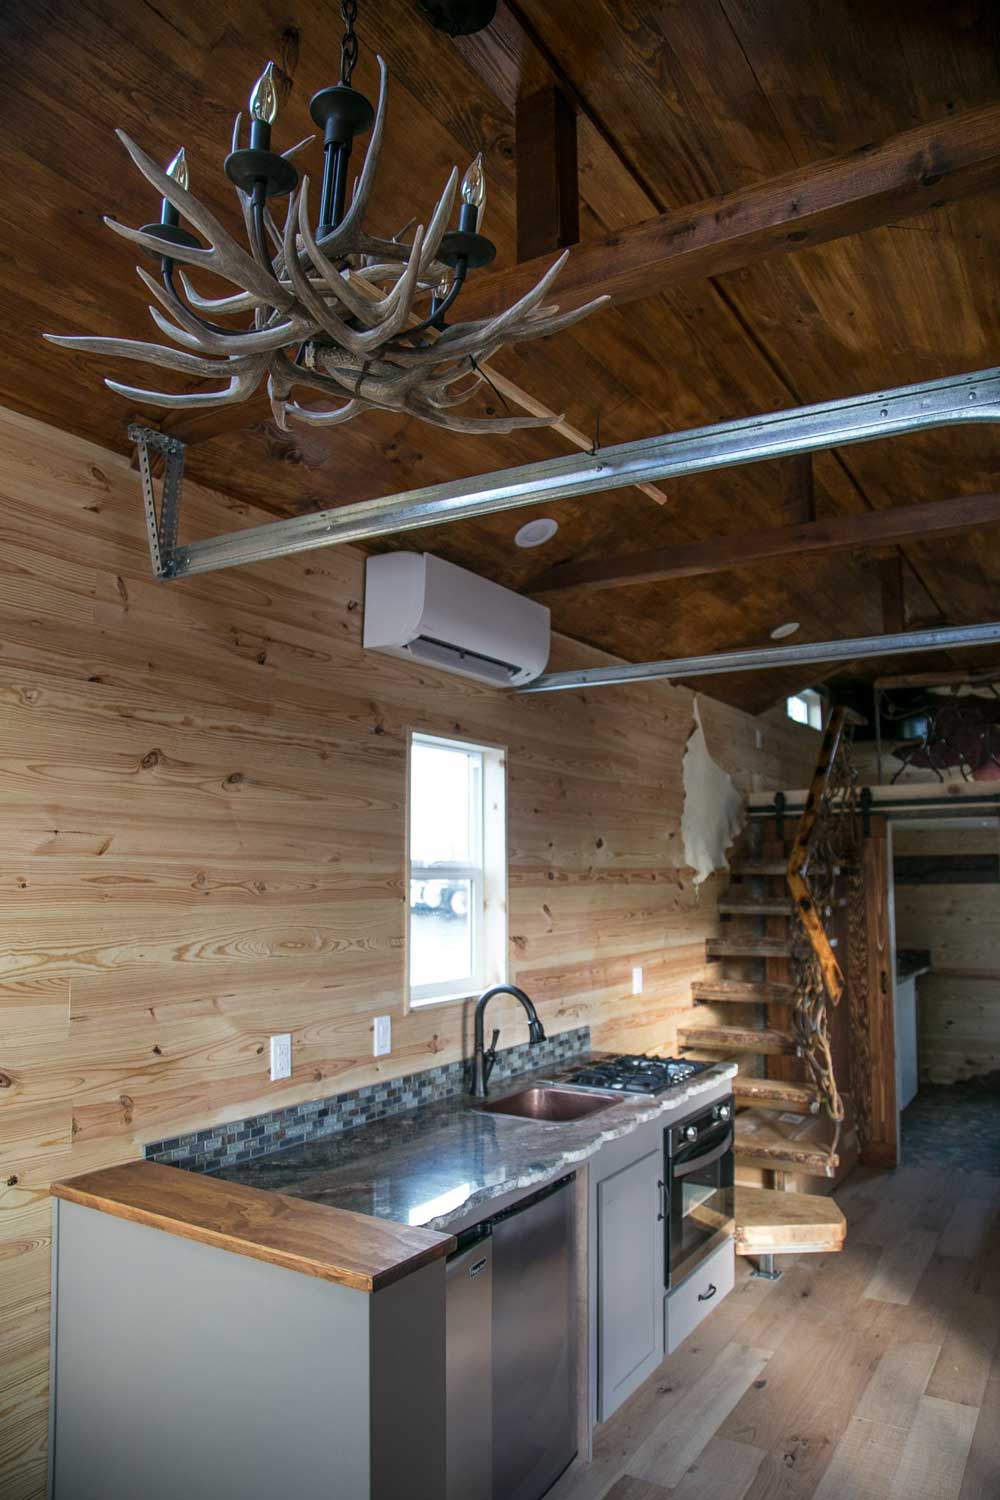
637 1073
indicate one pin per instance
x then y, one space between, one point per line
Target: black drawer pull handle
707 1296
661 1189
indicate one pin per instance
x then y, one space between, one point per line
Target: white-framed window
806 708
456 876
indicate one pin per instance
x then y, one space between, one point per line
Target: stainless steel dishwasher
512 1350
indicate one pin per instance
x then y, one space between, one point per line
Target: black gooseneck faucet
483 1060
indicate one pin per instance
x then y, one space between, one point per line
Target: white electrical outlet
383 1035
281 1056
637 979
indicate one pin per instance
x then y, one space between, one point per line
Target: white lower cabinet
698 1294
630 1279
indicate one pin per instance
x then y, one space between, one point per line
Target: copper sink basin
551 1103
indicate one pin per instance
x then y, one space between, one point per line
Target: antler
342 305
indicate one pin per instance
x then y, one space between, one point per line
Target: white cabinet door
629 1289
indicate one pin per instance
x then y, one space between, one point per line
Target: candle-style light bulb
474 184
177 168
264 97
442 289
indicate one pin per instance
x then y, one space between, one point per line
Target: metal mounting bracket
765 1269
161 525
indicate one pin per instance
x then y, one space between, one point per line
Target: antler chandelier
334 308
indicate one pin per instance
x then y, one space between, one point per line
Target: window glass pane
441 931
798 709
445 799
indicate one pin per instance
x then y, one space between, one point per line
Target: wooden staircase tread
758 866
742 991
737 1038
747 946
755 906
764 1139
775 1093
769 1222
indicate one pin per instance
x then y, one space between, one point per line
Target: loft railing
827 842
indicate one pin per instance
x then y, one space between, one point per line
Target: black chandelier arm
167 274
436 319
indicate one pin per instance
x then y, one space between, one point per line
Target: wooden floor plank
901 1266
628 1488
970 1326
722 1471
967 1232
983 1464
935 1452
865 1460
673 1446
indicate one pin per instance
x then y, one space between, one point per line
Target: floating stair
755 906
774 1093
769 1222
736 1039
746 945
763 1140
741 992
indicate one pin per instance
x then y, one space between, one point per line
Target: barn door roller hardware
812 653
804 429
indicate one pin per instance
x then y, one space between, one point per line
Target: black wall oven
699 1188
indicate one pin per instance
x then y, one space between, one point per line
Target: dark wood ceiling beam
548 193
892 584
878 528
924 168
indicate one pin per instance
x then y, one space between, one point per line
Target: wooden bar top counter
333 1244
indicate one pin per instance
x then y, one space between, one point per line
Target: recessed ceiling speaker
459 17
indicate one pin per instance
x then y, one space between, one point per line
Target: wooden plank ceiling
674 105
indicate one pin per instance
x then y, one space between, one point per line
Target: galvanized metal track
906 642
832 424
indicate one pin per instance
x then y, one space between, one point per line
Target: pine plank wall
202 809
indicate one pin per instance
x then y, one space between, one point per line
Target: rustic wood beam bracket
804 429
548 195
161 520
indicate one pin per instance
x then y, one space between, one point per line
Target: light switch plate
637 979
383 1036
281 1056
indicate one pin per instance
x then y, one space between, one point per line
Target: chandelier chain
349 42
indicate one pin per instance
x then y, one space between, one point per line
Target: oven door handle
705 1160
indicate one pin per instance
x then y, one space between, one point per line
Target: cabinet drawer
695 1298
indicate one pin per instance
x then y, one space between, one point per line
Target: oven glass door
702 1200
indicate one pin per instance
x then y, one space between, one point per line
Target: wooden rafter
924 168
878 528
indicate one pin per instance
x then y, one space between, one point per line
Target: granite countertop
432 1165
912 961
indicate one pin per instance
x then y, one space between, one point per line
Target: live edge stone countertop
416 1172
441 1162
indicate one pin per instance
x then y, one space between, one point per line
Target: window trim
489 915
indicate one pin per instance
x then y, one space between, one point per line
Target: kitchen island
298 1303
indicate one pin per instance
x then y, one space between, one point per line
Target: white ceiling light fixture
780 632
536 533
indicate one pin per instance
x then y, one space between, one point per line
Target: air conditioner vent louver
419 607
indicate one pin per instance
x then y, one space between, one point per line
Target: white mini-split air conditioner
420 607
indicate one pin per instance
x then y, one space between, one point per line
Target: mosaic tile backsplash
259 1135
